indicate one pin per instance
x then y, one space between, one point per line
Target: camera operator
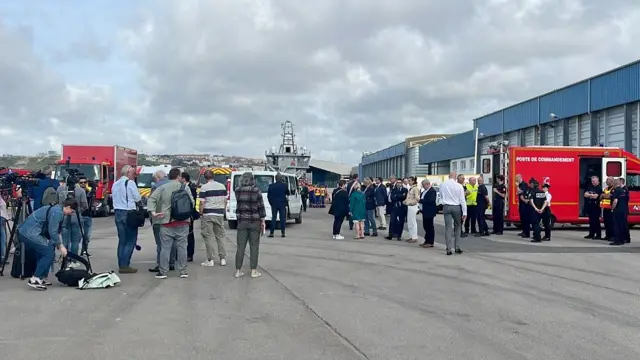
71 235
45 182
87 220
39 233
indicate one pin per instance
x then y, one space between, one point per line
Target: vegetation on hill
27 162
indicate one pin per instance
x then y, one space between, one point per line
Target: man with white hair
125 195
160 178
455 211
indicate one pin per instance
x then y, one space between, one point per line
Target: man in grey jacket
71 235
171 231
160 178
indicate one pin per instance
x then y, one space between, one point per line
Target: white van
263 180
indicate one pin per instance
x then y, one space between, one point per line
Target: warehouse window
486 166
454 166
472 165
463 165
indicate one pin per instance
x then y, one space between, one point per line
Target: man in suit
429 210
397 195
277 197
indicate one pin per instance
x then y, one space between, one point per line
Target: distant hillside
27 162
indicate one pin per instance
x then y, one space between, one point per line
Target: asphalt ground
320 298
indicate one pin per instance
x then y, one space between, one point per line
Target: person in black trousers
398 211
429 210
191 239
339 208
482 204
524 207
592 208
354 181
277 195
497 206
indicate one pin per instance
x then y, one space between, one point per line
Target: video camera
24 181
73 176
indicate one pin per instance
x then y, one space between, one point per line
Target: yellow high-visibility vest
606 203
472 198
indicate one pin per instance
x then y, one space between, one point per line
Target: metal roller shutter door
559 132
585 131
614 127
573 132
634 127
513 138
550 135
484 145
529 136
600 118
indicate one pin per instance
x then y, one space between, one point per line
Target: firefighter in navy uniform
497 205
605 205
592 208
539 204
620 209
524 208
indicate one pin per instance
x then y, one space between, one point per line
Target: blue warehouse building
602 110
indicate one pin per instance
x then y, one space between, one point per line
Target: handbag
136 217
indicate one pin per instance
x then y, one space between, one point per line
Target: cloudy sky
353 75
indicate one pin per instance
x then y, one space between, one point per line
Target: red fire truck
101 165
567 169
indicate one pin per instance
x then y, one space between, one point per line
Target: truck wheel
233 224
299 218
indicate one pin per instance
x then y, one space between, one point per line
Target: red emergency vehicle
567 169
101 165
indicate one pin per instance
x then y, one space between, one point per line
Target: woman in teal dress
358 211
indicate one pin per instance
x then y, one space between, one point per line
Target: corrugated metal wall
491 124
614 123
513 138
634 127
600 118
522 115
617 87
565 103
454 147
550 135
413 160
573 131
529 136
584 127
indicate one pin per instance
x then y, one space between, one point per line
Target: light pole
475 156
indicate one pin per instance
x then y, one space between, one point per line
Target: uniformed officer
524 208
546 214
605 205
323 195
592 208
497 205
539 204
471 194
620 210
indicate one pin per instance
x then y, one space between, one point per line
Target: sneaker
46 282
127 270
154 269
223 262
339 237
36 284
161 276
184 276
255 274
239 274
208 263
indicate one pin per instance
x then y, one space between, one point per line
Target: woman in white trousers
413 197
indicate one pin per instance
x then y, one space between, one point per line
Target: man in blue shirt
125 195
43 184
40 233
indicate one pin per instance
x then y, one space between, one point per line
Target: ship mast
289 158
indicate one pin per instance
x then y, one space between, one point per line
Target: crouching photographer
71 232
40 234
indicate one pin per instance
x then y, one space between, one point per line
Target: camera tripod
23 210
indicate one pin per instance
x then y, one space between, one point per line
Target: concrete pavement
343 299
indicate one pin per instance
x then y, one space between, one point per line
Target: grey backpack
49 196
181 204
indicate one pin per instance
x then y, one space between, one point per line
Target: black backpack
181 204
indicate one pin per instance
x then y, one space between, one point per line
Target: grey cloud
220 76
86 49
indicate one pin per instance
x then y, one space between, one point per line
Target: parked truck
101 165
567 170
